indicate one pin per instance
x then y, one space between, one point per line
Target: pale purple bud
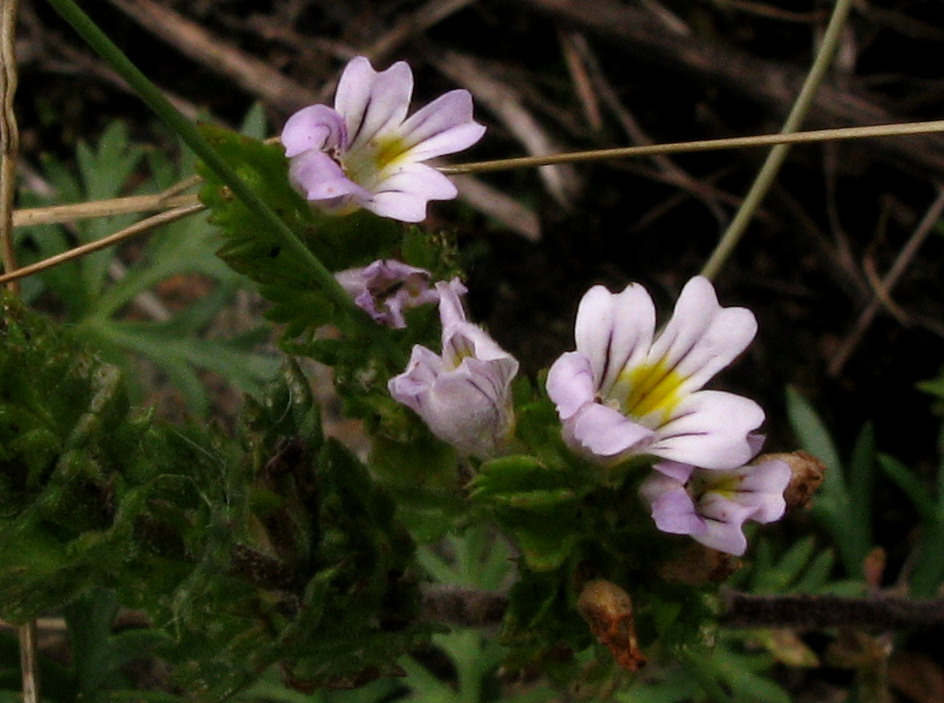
464 394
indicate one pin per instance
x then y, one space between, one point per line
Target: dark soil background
581 74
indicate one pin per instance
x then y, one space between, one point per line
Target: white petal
445 126
724 519
314 127
762 487
570 383
723 536
372 102
672 508
404 195
614 330
710 429
464 340
608 434
413 386
702 337
675 470
318 177
451 312
417 179
405 207
464 412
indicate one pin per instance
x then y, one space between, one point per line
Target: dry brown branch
904 258
503 101
671 172
9 134
134 230
768 83
253 75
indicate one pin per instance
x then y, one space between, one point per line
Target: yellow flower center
649 388
388 150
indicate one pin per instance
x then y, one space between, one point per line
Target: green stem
149 93
775 158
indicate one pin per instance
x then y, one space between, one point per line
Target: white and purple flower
712 505
464 395
387 287
366 152
628 392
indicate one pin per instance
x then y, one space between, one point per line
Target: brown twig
9 134
908 252
768 83
501 99
472 608
815 612
255 76
134 230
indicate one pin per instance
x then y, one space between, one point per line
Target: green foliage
844 503
800 568
73 469
926 567
102 295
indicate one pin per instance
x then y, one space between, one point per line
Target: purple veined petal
445 126
371 101
675 470
393 286
315 127
762 486
725 519
319 177
405 207
451 312
463 340
606 433
412 386
403 195
709 429
495 374
463 411
570 384
614 330
672 508
702 338
416 179
723 536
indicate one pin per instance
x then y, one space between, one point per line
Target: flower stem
898 129
775 158
149 93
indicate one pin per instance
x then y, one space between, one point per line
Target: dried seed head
608 610
808 473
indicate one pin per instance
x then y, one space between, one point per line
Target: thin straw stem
778 154
134 230
9 133
897 129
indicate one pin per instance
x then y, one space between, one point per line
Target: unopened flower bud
807 474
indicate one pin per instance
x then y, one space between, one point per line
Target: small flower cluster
626 391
